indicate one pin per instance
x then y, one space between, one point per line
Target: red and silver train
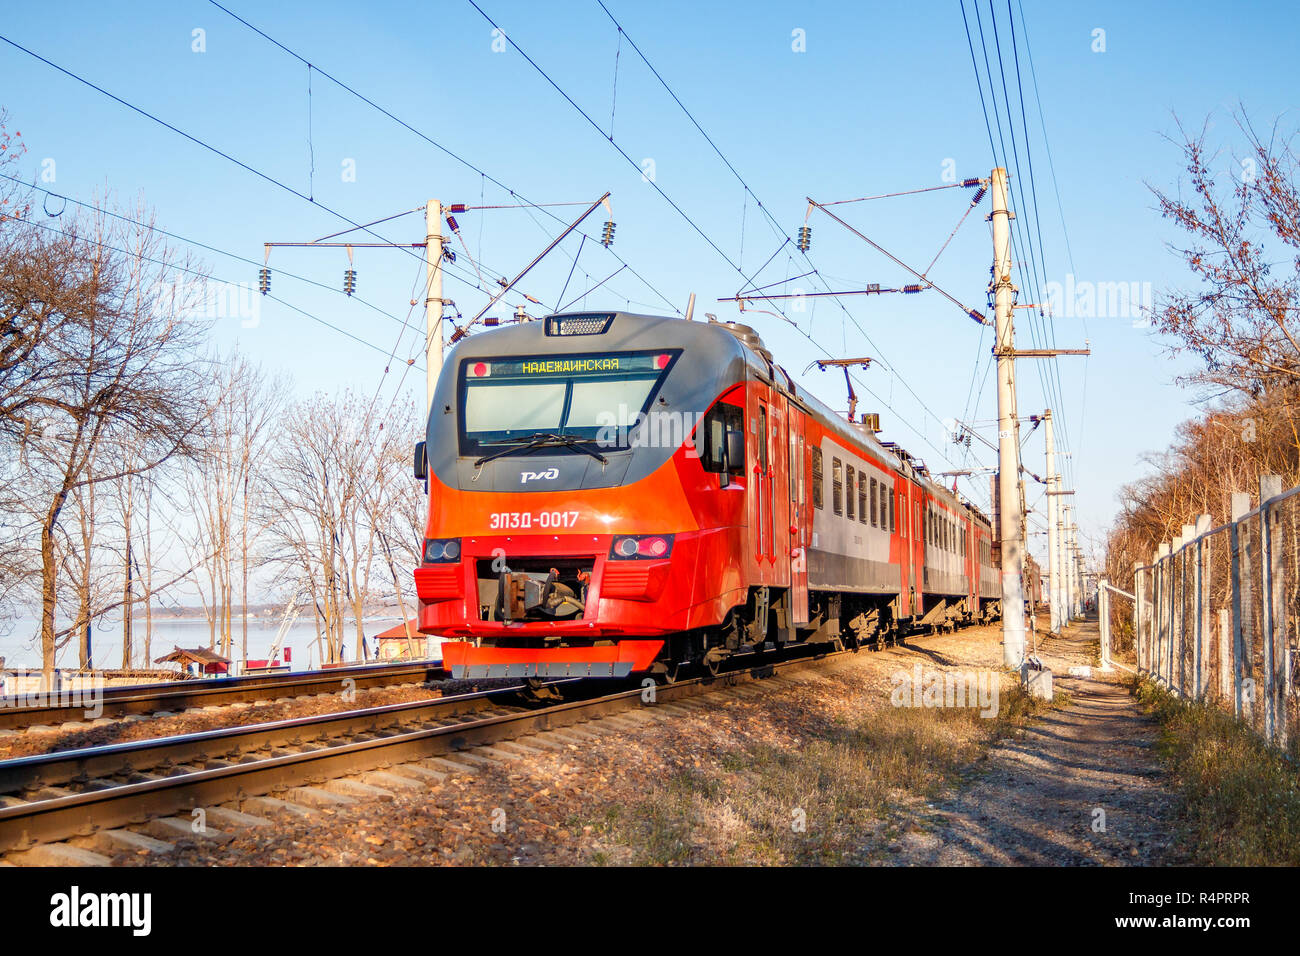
613 493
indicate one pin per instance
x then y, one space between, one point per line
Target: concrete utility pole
1013 558
1076 590
1067 578
433 300
1053 547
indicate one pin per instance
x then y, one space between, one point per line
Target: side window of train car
891 511
721 419
837 486
873 503
818 480
848 491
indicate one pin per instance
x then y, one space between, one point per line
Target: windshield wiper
542 440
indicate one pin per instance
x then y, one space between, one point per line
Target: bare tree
1243 245
221 485
119 368
334 506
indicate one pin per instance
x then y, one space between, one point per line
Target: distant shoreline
265 613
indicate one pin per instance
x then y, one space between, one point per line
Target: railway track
122 796
146 699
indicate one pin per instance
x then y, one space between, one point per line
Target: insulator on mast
607 234
264 281
349 281
804 242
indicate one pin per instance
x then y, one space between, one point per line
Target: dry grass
853 784
1238 798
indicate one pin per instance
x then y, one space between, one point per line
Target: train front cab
722 535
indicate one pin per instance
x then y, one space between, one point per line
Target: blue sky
883 98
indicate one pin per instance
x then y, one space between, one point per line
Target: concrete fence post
1175 612
1157 614
1203 626
1240 602
1103 620
1137 616
1184 604
1225 654
1162 612
1271 597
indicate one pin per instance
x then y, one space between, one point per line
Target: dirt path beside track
824 767
1081 786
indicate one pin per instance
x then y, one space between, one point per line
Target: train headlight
633 546
441 550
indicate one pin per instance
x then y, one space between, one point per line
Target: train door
918 551
765 492
904 512
799 518
970 564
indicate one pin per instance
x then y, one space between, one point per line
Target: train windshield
595 397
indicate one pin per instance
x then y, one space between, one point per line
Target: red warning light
480 369
661 361
652 547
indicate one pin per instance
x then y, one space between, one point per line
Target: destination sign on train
567 365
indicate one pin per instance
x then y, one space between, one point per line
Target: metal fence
1216 612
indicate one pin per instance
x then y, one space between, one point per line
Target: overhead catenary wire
1053 394
194 139
1025 241
425 137
174 267
772 221
198 244
734 265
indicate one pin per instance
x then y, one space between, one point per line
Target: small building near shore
197 660
400 644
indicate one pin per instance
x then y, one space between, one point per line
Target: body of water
20 640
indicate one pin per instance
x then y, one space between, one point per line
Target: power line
214 149
198 142
1053 394
431 141
749 192
198 244
204 276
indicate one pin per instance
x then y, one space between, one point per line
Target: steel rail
64 817
131 699
224 743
